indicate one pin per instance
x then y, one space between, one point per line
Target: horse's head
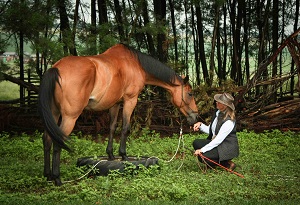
182 97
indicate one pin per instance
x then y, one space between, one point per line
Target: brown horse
97 83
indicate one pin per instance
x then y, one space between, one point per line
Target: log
281 115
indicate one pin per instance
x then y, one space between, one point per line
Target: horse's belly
99 105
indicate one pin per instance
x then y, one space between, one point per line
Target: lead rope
206 165
84 175
178 145
229 170
181 139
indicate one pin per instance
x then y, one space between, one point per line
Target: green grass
269 161
9 91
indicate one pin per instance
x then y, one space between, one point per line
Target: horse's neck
160 83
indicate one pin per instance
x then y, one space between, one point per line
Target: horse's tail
45 100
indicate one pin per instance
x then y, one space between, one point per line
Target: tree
160 17
174 29
213 43
275 29
235 73
93 35
201 44
246 22
119 20
66 34
150 41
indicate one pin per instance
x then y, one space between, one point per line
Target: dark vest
229 148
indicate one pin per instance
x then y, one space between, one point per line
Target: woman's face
221 106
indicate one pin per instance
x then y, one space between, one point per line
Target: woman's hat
225 99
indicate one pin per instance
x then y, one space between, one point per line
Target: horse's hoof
125 158
57 182
111 157
48 177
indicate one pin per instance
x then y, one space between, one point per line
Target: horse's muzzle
192 118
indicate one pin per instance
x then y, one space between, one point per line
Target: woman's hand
197 126
197 152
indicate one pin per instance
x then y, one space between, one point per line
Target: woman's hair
229 112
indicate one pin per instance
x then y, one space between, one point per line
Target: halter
183 101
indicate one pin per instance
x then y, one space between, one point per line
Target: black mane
155 67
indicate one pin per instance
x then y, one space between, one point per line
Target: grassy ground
268 161
9 91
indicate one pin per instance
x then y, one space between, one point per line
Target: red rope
236 173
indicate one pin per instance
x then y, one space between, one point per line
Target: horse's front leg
124 136
113 113
56 165
127 111
47 143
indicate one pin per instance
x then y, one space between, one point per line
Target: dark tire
104 166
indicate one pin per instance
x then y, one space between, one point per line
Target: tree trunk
235 73
93 40
213 45
75 24
119 20
223 72
171 5
201 44
102 10
66 35
293 63
186 55
160 16
219 55
21 59
238 44
146 22
196 48
246 19
103 21
262 11
275 27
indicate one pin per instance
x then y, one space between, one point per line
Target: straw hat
225 99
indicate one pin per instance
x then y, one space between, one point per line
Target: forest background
222 45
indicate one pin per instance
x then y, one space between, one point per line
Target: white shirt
224 131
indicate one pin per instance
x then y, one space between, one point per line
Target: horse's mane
155 67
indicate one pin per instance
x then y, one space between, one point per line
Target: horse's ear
186 79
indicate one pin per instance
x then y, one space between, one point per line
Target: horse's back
119 76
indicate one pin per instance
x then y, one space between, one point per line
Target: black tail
46 94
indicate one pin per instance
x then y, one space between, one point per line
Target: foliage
269 162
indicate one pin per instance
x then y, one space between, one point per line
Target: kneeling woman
221 144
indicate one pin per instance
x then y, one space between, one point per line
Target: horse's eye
190 94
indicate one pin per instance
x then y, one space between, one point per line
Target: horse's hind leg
67 125
113 113
47 143
56 165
